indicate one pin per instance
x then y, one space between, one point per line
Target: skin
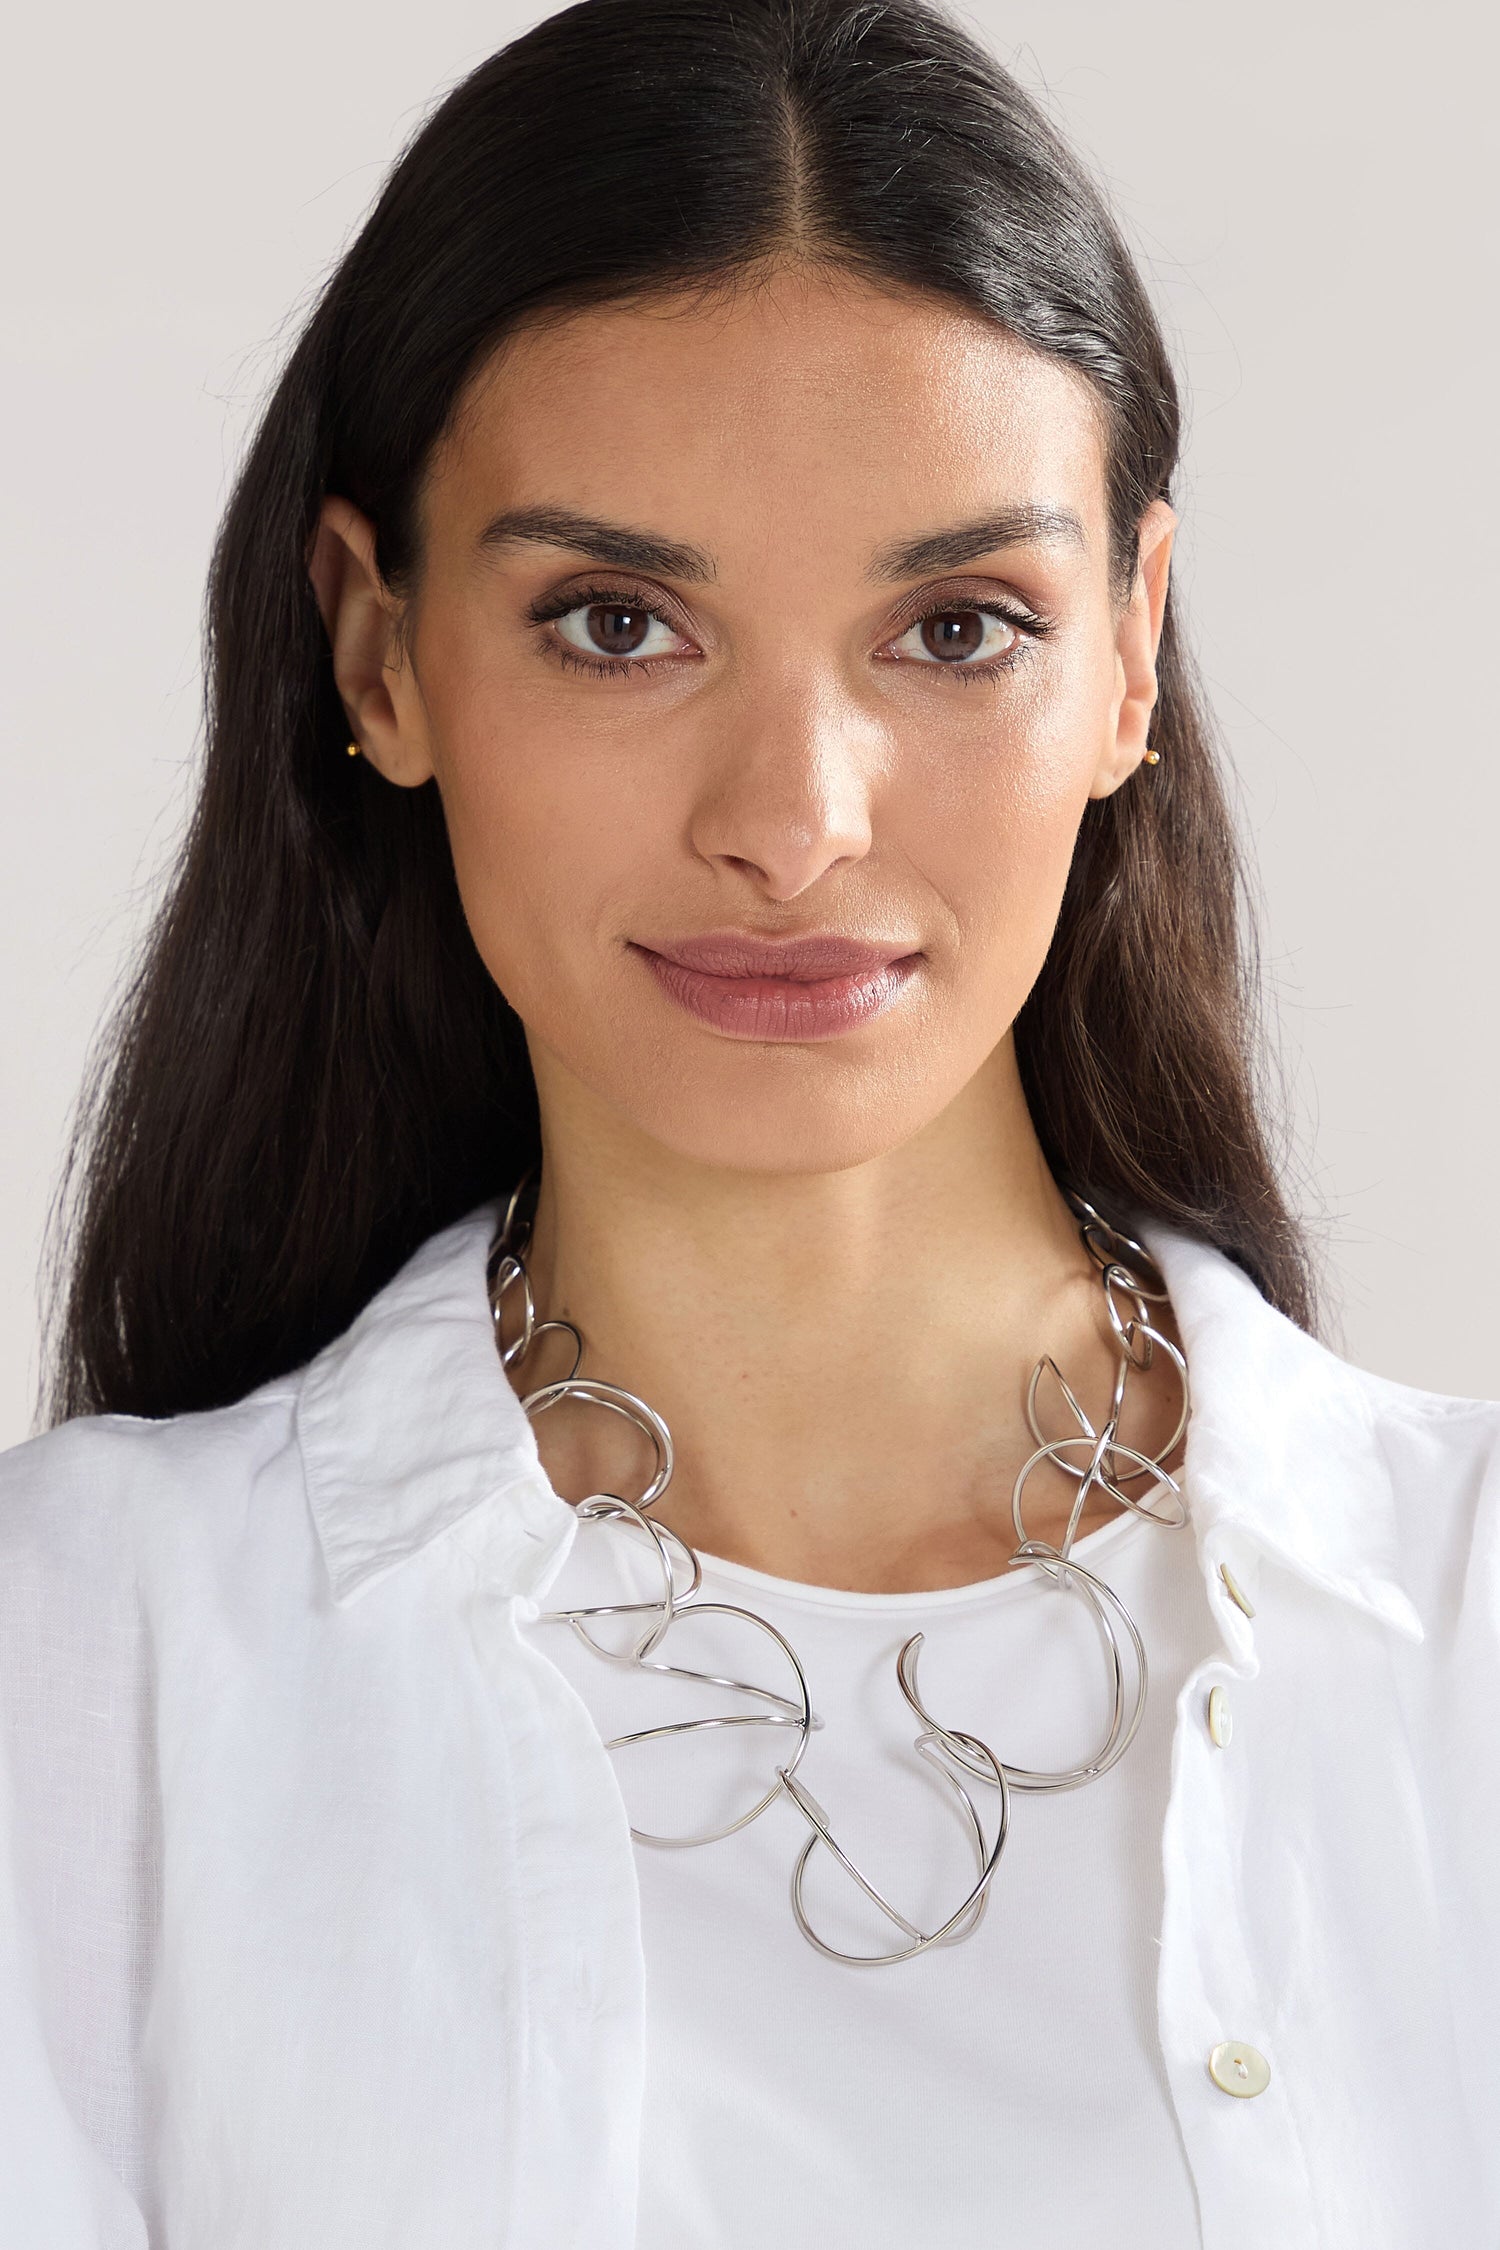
831 1264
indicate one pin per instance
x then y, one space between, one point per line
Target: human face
762 767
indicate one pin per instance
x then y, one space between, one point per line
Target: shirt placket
578 2050
1235 2109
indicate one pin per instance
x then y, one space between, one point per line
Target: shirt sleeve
1445 1457
79 1856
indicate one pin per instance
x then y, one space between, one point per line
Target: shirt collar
407 1424
1283 1445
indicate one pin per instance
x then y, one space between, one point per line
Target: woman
700 1582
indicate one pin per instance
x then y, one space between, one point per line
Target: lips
753 987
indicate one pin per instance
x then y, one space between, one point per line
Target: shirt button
1220 1720
1235 1591
1238 2068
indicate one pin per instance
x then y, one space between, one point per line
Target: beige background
1311 190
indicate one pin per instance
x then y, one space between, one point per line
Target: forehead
804 398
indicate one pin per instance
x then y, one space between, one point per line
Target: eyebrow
960 543
614 543
627 548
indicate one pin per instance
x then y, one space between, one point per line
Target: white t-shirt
1006 2089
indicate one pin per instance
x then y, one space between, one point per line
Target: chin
785 1112
777 1107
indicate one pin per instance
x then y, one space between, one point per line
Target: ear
379 690
1137 638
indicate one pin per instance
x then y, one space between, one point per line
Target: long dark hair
312 1070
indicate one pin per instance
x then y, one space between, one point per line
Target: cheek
991 823
541 851
550 835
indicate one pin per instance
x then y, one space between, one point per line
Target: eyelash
550 607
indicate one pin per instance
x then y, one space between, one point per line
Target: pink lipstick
781 988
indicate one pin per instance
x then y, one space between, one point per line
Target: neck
842 1358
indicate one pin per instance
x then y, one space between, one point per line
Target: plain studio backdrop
1311 191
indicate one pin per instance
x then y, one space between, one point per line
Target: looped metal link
1112 1614
615 1401
1117 1284
1097 1460
660 1612
782 1711
1104 1244
944 1749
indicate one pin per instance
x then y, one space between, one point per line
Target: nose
787 796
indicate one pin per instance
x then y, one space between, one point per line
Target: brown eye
617 629
958 637
954 632
618 632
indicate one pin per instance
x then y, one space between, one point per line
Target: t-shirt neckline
1006 1585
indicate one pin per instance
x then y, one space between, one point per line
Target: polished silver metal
935 1743
1097 1461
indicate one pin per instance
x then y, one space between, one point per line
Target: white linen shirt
319 1919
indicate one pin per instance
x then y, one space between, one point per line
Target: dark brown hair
312 1069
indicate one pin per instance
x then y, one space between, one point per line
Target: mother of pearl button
1220 1720
1235 1590
1238 2068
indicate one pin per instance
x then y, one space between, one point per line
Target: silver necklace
1096 1460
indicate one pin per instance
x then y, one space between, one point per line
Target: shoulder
1432 1439
1406 1405
1442 1455
1363 1483
305 1489
104 1490
127 1567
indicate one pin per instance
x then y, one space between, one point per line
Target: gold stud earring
354 749
1151 757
